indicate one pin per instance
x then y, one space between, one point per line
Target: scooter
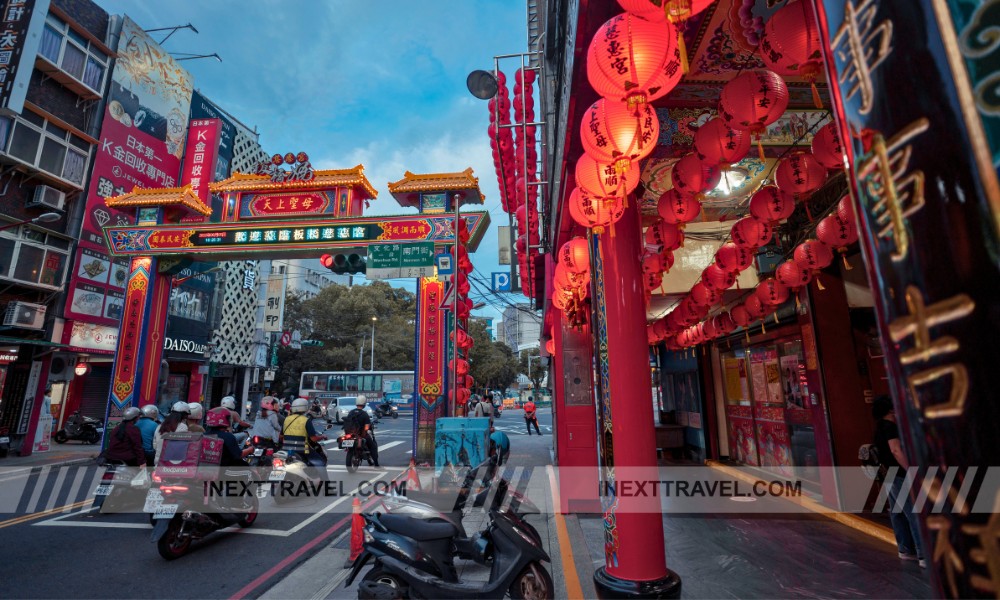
357 448
263 451
387 409
185 514
79 427
413 558
120 485
289 470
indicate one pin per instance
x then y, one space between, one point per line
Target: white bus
375 385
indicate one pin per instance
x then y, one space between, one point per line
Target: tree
492 364
341 318
531 366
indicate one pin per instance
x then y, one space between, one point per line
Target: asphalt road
50 551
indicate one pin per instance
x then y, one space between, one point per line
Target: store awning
13 340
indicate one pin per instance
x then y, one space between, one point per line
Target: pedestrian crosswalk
520 430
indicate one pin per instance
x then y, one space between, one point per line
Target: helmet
131 413
267 402
229 402
361 400
300 405
217 418
180 407
196 410
150 411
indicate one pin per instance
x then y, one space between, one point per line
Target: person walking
890 453
484 409
530 415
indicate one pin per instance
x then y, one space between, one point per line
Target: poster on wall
773 374
758 378
734 380
791 387
141 144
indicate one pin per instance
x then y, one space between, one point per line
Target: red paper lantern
575 255
716 278
845 210
668 260
724 323
702 295
749 232
595 212
463 367
559 299
568 280
790 44
827 147
653 281
652 263
719 144
550 346
678 208
733 259
772 292
755 308
692 176
463 396
791 275
627 59
740 316
708 328
664 236
771 205
675 11
813 255
799 174
602 179
754 99
613 133
835 232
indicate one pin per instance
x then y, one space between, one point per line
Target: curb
38 468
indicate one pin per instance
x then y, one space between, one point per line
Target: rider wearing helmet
217 425
228 407
299 428
176 422
356 420
266 425
147 428
194 418
126 442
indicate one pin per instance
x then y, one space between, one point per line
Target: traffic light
345 262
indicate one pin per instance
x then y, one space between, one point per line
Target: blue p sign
501 282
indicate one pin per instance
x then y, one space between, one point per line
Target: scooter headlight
369 538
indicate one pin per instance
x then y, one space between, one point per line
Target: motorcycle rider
126 441
266 426
359 418
147 428
228 407
194 418
299 430
176 422
217 424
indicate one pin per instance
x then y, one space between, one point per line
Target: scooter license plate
276 476
347 443
103 490
100 430
153 501
4 440
258 452
165 511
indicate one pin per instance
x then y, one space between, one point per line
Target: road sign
445 264
269 375
390 261
448 298
286 338
501 282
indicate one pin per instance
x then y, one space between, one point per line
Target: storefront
83 372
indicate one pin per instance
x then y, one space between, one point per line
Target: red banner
430 359
288 204
404 230
130 336
199 160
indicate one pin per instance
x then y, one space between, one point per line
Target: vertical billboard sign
21 25
929 233
142 141
202 108
274 303
430 362
199 161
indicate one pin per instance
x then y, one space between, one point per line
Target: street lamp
42 218
371 367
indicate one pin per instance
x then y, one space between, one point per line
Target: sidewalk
69 453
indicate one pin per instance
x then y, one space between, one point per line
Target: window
28 259
73 54
351 382
50 148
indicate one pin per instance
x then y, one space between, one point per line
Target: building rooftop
407 190
353 177
182 197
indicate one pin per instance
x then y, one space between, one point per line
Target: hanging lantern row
502 143
526 176
571 280
675 12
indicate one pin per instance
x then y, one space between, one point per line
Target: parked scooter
79 427
414 558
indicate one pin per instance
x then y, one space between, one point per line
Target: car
339 407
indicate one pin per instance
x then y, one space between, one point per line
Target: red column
635 561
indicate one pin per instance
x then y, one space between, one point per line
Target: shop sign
274 303
186 346
8 354
199 160
21 23
29 397
288 204
92 337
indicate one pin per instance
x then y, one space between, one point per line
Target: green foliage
492 364
536 372
341 317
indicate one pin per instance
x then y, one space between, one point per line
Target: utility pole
361 355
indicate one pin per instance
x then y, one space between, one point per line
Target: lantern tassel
747 333
847 265
682 48
819 285
798 304
760 147
816 99
775 315
808 212
762 330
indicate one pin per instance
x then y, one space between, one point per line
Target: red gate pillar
635 561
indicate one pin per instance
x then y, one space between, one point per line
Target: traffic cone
357 537
412 478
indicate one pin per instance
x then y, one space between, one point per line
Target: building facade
522 327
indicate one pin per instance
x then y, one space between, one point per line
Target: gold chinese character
884 175
988 553
293 203
863 48
918 324
307 203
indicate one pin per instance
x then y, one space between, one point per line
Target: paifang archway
296 213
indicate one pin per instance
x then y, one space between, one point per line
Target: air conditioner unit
24 315
48 197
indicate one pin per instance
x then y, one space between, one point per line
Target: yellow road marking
44 513
573 588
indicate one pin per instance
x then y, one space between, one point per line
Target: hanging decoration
753 100
634 60
750 232
791 275
813 256
595 212
502 143
717 143
677 208
800 174
703 295
716 278
771 205
664 236
694 177
613 133
575 255
602 179
754 307
733 259
771 292
827 147
674 11
790 44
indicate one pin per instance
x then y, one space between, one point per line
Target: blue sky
348 82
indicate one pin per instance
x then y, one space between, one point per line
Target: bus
375 385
